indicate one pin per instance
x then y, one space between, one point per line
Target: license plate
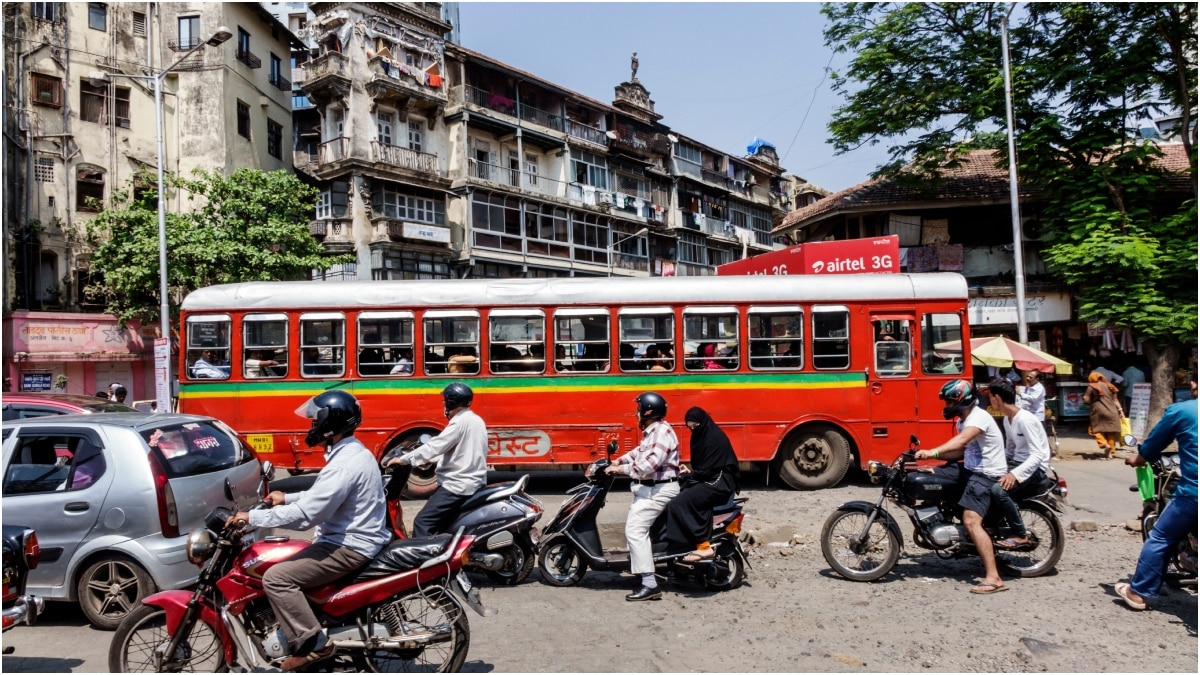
464 581
262 443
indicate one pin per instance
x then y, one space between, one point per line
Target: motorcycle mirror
268 471
1129 440
228 491
613 446
424 438
913 440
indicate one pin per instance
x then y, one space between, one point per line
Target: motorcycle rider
462 471
1028 454
654 467
347 505
1178 424
981 447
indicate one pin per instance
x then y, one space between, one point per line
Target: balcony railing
329 63
299 75
304 158
715 178
585 132
318 228
540 117
498 102
640 142
334 150
404 158
248 58
281 83
183 44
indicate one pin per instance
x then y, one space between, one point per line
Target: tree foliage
248 226
927 80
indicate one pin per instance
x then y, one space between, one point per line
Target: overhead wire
824 75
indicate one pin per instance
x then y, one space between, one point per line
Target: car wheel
110 588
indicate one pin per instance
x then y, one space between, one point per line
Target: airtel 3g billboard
873 255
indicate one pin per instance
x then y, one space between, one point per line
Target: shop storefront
76 354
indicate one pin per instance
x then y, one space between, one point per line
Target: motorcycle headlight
877 471
200 546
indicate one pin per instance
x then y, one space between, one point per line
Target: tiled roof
977 177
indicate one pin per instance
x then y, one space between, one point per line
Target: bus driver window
893 347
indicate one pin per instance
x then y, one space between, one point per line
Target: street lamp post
613 246
1018 247
222 34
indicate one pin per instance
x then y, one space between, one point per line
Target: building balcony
318 228
403 84
187 44
327 75
541 117
716 178
247 57
479 98
394 229
583 131
280 82
299 75
334 150
639 143
404 158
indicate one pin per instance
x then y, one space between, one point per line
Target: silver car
113 497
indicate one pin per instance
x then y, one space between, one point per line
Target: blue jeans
1172 525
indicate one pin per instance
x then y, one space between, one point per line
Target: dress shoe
644 593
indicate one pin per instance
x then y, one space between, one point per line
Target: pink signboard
873 255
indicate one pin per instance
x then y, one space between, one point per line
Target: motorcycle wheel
433 612
729 574
144 631
876 557
518 563
561 564
1041 522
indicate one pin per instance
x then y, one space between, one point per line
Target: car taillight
33 552
735 525
168 515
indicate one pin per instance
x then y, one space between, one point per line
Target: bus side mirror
613 446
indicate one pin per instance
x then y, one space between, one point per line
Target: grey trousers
286 581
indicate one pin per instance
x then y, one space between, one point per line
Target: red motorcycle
403 611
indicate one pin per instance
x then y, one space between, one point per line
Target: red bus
806 374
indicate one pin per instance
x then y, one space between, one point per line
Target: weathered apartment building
71 139
436 161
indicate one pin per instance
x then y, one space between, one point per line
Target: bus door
942 360
892 380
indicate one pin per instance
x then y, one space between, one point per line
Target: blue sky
722 73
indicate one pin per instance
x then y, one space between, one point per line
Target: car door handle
77 507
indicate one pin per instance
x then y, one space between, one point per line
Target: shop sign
433 233
37 335
872 255
1043 308
39 381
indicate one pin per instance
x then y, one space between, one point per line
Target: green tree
249 226
927 80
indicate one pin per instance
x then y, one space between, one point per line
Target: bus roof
277 295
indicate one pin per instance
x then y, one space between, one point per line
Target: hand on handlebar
923 454
238 520
275 498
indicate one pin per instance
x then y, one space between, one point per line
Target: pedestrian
1105 413
1178 424
116 392
1133 376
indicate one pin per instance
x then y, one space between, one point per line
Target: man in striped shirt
654 467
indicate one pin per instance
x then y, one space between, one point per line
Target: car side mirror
613 446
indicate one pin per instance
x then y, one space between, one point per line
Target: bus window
385 343
208 347
893 347
322 344
516 341
451 342
581 340
710 338
264 346
776 338
647 338
942 338
831 338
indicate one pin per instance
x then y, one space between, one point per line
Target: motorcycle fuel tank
930 486
262 555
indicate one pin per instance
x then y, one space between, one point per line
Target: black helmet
332 413
651 406
457 395
959 395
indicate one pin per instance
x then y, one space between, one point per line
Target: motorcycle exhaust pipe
487 561
408 642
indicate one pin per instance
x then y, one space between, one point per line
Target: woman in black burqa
712 480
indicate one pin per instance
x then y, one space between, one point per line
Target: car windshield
193 448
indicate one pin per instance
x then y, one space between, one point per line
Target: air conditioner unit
1032 229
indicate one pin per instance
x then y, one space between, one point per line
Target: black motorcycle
1181 563
861 541
571 543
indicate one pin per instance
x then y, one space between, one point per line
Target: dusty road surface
794 614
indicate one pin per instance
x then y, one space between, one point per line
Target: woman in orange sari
1106 413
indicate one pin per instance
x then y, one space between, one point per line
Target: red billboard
873 255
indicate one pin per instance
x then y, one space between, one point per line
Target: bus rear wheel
814 458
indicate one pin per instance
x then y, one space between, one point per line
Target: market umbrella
1003 352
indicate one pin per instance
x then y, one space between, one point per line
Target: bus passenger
654 467
405 364
712 481
560 359
462 469
463 361
256 364
209 366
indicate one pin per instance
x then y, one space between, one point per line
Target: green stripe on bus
506 385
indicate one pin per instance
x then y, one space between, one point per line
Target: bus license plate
262 443
464 581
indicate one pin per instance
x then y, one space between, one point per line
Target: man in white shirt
1109 375
1028 455
981 448
461 449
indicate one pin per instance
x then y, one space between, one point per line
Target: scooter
500 517
571 544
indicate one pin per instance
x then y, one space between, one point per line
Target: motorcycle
500 517
404 610
861 541
1181 563
21 554
571 544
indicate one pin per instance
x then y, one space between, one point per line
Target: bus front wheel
814 458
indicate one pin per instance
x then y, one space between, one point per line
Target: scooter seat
480 498
401 556
731 505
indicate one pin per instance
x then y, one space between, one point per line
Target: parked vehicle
571 544
1181 564
23 405
21 553
112 497
861 541
500 517
403 611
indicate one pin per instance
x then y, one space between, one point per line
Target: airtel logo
818 267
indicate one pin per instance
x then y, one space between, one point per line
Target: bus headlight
200 546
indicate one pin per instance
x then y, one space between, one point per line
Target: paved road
793 614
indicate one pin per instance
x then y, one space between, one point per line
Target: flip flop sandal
695 557
1122 590
1010 544
988 589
